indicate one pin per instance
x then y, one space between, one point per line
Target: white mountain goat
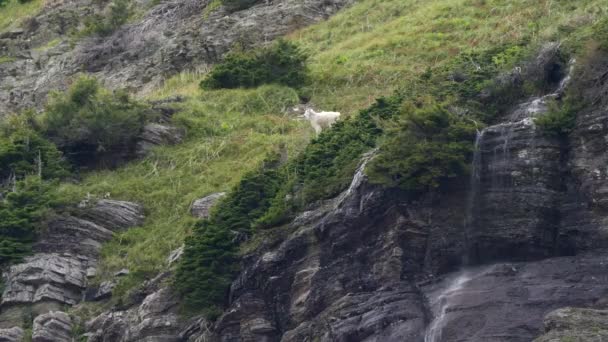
320 120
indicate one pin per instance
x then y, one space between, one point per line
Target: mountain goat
320 120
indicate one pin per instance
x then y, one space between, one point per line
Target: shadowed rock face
171 37
372 265
64 259
507 301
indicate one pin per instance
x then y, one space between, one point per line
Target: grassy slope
229 133
364 52
14 12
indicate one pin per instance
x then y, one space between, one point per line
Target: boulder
155 134
46 277
115 215
104 291
201 208
13 334
55 326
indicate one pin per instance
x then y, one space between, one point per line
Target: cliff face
485 262
171 37
518 253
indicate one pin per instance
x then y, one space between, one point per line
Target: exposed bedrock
64 259
172 36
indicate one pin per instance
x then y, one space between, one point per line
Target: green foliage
600 33
429 146
89 123
561 118
115 15
21 212
328 163
210 259
282 63
24 152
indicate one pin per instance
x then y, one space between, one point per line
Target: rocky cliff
517 253
525 237
171 37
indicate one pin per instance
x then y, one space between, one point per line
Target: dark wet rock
201 208
507 301
521 166
55 326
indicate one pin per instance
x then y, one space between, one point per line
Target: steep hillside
473 190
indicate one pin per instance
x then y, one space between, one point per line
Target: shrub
282 63
561 118
89 123
115 15
210 260
24 152
21 212
429 146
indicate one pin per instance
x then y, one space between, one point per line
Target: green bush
89 123
24 152
115 15
283 63
429 146
560 120
210 260
21 212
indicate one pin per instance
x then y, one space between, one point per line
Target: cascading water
440 306
449 296
497 140
474 183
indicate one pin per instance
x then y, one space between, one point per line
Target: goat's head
308 114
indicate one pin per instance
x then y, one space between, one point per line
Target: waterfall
474 183
448 295
357 178
441 304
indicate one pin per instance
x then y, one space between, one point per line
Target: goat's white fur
321 120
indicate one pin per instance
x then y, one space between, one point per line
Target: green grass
14 12
211 7
378 45
6 59
366 51
51 44
229 133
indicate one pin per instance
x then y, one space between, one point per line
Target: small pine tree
282 63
